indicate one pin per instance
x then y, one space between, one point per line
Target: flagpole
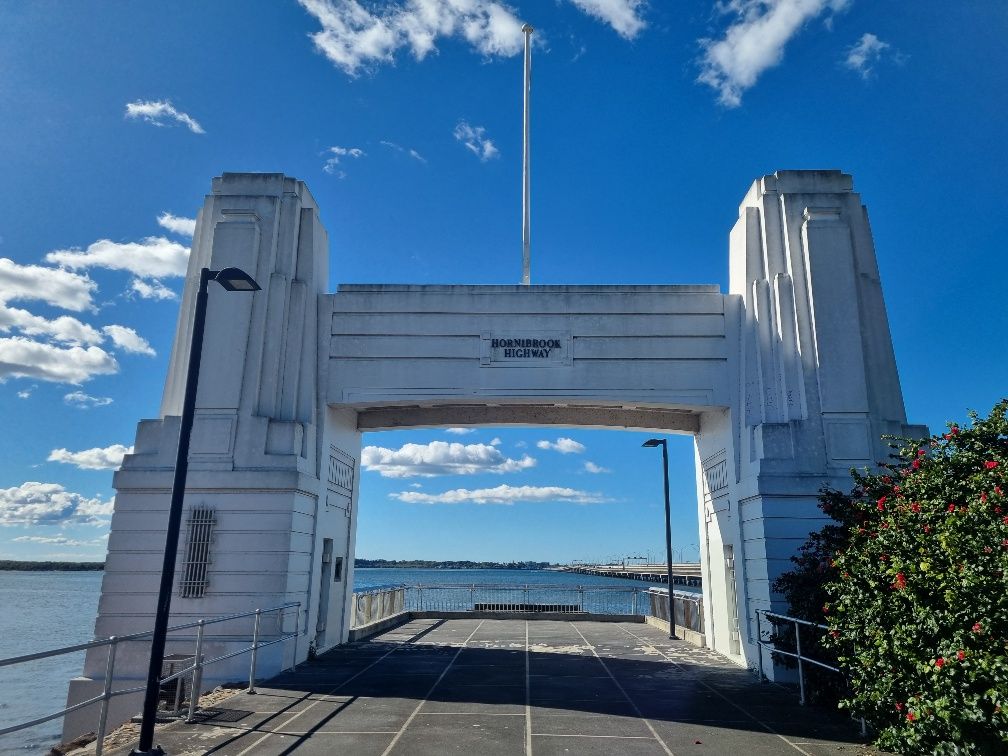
526 172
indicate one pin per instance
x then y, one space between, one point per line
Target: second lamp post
652 442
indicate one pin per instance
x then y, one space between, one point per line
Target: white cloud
440 458
86 401
562 445
177 225
128 340
90 510
496 442
108 458
595 469
460 431
64 329
503 494
153 289
161 113
33 503
26 393
866 53
61 288
474 139
754 42
354 37
335 154
411 152
154 257
21 357
624 16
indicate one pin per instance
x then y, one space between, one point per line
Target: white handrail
196 670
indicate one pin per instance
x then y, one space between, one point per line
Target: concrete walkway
495 687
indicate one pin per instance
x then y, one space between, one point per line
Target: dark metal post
232 279
174 522
668 541
663 443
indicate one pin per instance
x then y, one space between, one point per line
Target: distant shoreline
10 565
424 564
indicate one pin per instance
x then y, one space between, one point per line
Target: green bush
917 592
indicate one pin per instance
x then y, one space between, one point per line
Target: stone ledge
690 636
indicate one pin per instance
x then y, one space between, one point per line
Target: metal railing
774 619
195 670
688 608
529 598
797 654
380 603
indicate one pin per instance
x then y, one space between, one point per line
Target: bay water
45 610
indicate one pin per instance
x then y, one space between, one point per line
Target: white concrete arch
785 382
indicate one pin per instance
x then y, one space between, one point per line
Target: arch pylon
785 382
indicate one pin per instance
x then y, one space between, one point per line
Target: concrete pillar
818 385
277 472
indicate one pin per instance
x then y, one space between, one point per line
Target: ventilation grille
341 470
199 532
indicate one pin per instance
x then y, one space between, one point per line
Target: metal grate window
199 536
341 470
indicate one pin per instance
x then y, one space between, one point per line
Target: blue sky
650 121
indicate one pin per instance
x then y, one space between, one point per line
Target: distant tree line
10 564
426 564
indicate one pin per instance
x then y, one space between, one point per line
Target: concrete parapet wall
683 633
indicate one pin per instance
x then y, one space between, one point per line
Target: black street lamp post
663 443
232 279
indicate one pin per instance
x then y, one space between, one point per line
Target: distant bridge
683 573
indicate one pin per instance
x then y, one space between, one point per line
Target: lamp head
652 442
236 279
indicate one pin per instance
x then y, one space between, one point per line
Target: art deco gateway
785 383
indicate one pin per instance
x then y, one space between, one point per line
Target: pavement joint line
717 692
625 695
316 702
436 683
528 697
466 714
610 737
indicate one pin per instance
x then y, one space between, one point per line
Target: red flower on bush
1005 520
951 507
915 465
881 504
961 654
940 662
990 464
977 628
900 583
910 716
